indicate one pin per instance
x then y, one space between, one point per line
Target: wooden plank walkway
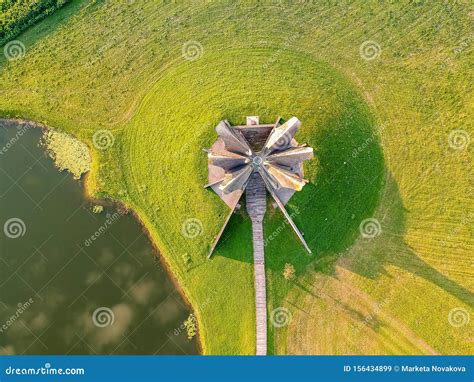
256 207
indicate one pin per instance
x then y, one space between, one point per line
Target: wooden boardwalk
256 207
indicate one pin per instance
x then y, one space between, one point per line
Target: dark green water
52 279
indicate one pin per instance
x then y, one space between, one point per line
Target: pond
62 292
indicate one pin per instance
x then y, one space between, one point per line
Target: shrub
187 259
191 326
289 272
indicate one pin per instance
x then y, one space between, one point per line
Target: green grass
111 66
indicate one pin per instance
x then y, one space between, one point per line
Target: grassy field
155 80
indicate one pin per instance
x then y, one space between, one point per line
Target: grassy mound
169 188
381 121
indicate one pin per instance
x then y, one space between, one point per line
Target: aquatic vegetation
191 326
97 209
67 152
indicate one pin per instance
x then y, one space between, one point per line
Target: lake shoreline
119 206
